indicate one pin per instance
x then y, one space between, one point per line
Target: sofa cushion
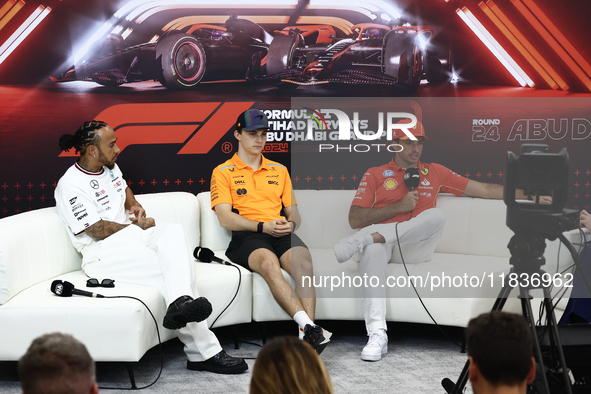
474 226
34 247
215 237
112 329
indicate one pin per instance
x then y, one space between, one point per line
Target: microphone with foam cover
412 178
206 255
67 289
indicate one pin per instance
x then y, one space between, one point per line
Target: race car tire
281 53
402 59
437 71
182 58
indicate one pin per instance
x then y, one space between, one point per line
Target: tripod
527 258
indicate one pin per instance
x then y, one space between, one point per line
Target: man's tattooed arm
103 228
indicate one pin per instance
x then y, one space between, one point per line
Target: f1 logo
199 126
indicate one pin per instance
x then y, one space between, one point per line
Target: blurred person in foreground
57 364
500 351
287 365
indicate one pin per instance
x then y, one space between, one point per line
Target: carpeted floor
419 358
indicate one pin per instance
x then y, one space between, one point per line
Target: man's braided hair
84 136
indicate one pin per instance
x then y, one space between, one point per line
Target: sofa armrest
174 207
34 247
213 236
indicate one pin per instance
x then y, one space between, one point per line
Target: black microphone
206 255
412 178
67 289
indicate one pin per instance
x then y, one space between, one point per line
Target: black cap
252 119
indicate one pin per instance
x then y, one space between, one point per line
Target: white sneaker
347 247
377 345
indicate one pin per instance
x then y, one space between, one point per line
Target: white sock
367 239
302 319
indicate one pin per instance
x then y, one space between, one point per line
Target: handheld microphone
206 255
67 289
412 178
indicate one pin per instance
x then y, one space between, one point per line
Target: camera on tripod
539 173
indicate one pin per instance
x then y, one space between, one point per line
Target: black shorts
243 243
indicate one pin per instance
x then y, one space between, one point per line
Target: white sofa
35 250
474 242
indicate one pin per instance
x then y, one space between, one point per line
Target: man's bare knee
265 263
301 261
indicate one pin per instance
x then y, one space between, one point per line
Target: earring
94 156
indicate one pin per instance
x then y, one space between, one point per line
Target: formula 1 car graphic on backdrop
179 59
287 46
374 54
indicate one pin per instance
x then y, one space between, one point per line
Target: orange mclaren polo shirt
384 185
257 195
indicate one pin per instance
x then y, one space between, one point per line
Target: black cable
159 344
560 294
233 298
160 340
417 293
243 341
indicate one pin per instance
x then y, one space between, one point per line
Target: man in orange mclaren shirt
248 193
382 201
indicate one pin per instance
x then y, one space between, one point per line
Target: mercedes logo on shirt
94 184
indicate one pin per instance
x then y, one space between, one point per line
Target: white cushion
112 329
34 246
215 237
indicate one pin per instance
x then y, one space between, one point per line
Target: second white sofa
473 244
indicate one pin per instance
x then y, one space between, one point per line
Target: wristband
260 227
293 228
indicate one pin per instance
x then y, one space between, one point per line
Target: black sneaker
317 337
220 363
185 310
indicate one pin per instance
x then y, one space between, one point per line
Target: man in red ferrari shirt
382 201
